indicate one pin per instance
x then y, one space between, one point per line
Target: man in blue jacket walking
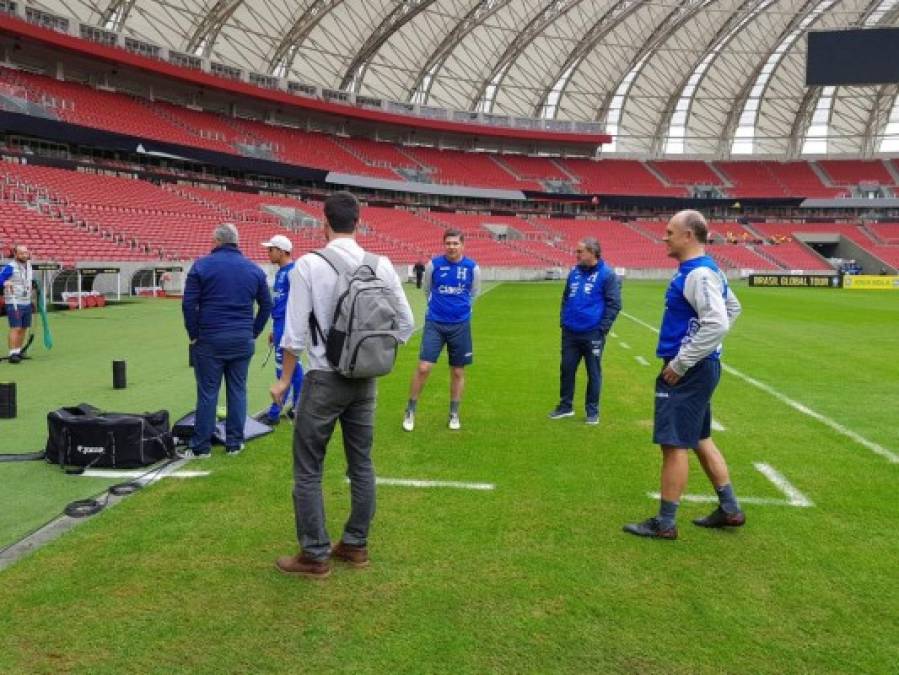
219 294
590 303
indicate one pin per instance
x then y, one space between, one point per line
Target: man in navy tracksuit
279 252
590 303
700 309
219 294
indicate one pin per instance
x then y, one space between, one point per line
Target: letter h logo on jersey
462 273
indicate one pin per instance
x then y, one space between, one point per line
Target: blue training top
280 291
680 321
592 298
451 298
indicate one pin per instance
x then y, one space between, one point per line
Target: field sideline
534 576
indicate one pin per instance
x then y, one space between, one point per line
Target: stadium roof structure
667 77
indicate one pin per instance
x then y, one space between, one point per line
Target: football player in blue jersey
280 250
451 282
700 309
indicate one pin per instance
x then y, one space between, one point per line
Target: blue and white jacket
591 300
700 309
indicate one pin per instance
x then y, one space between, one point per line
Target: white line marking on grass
624 345
409 482
119 473
794 496
717 426
710 499
876 448
641 322
641 361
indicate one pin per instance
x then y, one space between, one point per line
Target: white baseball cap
279 241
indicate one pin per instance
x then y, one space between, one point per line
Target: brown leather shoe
300 565
355 556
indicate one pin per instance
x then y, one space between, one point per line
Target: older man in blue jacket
219 295
590 303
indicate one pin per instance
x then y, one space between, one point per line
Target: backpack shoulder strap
370 260
337 262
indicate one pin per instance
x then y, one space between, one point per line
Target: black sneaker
290 413
15 358
267 419
559 413
651 528
721 518
234 450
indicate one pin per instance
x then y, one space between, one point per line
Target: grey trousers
325 398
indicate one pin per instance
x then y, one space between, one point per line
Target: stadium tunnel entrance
157 281
83 287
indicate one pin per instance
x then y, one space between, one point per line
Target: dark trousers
296 382
577 346
215 358
325 398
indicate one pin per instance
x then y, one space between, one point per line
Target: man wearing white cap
279 252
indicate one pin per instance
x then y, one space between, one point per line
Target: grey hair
695 222
592 245
226 233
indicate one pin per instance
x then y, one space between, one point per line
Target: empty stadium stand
687 172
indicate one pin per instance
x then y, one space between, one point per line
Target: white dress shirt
313 284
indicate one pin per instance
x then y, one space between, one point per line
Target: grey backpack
364 337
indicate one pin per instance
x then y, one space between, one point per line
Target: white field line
624 345
794 496
410 482
641 361
717 426
876 448
121 473
710 499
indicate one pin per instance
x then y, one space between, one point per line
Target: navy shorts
683 412
456 337
19 317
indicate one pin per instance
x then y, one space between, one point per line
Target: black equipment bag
84 436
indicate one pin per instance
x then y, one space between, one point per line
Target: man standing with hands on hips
700 309
590 303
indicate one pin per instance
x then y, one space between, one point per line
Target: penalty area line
876 448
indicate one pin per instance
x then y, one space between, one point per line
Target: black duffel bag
84 436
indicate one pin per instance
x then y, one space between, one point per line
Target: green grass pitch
534 576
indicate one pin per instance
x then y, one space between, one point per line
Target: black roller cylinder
8 400
119 380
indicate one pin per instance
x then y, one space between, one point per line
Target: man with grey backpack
348 312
